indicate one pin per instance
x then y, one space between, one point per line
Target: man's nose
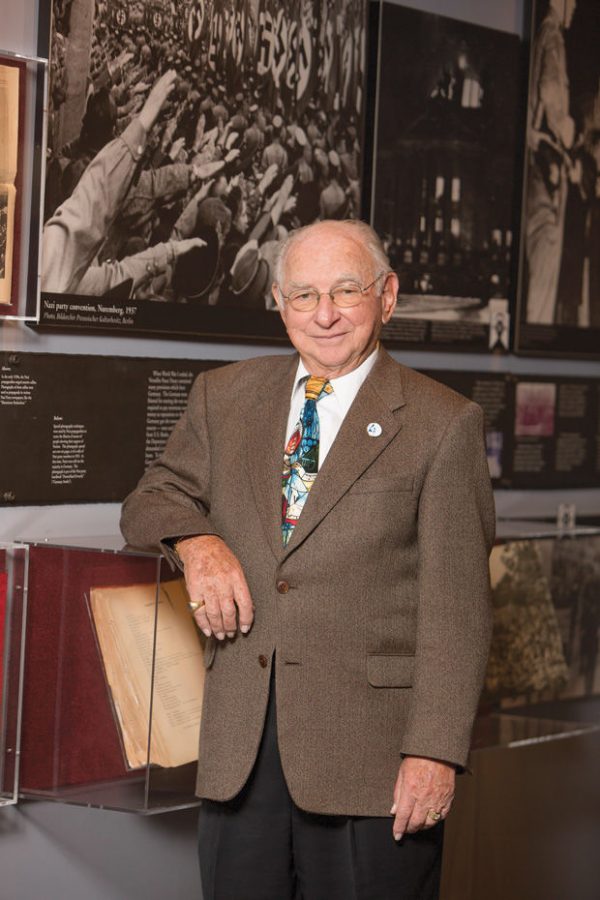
326 312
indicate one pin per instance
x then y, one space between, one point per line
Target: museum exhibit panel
558 297
118 286
113 680
23 89
444 173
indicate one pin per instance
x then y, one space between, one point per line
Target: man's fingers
401 820
229 616
418 820
244 605
202 620
425 789
220 616
215 619
215 579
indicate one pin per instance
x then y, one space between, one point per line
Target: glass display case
114 664
23 92
13 602
114 678
524 822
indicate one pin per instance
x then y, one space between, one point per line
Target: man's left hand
423 787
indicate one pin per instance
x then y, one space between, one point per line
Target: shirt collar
345 387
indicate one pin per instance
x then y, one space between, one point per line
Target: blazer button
283 587
263 661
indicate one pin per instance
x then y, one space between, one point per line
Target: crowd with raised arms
179 187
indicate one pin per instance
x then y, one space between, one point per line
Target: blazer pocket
383 484
390 670
210 649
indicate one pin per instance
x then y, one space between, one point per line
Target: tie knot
315 386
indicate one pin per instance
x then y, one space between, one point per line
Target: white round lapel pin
374 429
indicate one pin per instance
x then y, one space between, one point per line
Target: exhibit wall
67 852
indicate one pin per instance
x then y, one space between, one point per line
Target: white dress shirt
332 408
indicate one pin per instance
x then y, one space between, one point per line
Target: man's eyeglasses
344 295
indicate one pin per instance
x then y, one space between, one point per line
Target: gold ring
436 816
195 606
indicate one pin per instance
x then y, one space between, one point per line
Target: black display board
445 197
83 428
541 432
559 284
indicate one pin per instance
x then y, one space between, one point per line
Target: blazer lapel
265 445
354 449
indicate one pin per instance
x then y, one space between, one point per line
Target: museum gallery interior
154 157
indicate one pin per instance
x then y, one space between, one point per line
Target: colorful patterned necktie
301 458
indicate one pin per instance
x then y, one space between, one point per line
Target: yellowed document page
124 618
9 142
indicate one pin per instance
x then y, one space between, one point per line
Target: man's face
331 340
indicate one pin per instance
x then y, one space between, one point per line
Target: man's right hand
214 579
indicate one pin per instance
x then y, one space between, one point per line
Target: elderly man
333 515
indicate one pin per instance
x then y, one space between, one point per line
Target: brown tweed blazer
381 638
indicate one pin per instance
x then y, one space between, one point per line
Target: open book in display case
13 602
114 678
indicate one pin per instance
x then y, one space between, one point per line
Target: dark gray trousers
261 846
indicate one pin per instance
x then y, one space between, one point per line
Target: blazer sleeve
172 499
456 523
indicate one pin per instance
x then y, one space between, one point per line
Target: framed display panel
546 603
559 280
23 86
93 423
113 681
555 433
184 142
541 432
445 177
13 603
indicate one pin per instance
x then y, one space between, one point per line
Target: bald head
353 229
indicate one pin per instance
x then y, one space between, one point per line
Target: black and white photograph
559 283
185 139
444 184
526 654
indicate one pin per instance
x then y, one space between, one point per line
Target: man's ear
278 298
389 296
